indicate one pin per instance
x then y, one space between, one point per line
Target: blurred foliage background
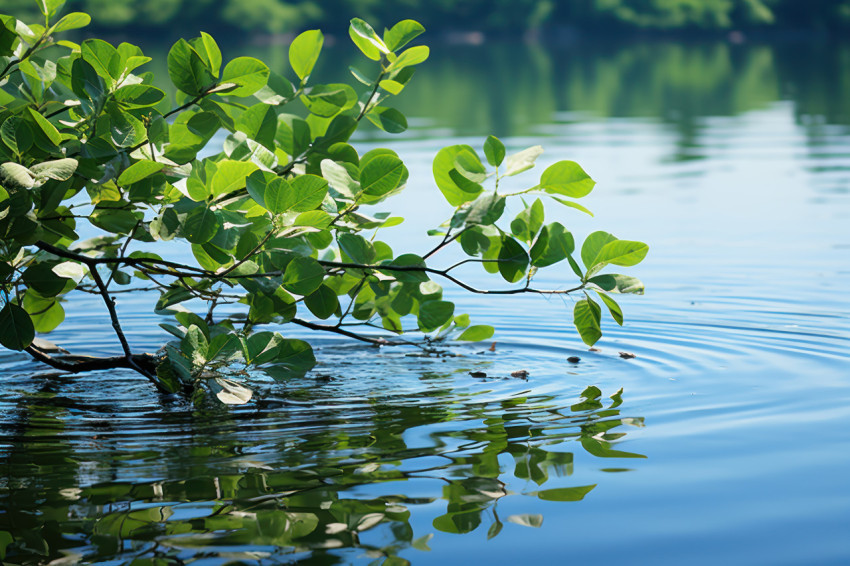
498 17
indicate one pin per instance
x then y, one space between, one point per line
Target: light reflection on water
738 396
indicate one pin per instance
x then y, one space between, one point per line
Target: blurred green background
495 17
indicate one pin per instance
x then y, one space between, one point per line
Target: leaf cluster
279 217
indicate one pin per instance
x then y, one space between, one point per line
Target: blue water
732 436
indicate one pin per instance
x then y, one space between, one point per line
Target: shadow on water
319 469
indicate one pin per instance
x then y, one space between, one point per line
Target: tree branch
344 332
80 364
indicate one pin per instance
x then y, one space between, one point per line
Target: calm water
726 440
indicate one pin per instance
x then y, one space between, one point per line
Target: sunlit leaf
566 178
613 307
247 73
477 333
402 33
586 317
304 52
522 161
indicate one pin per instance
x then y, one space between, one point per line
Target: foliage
274 219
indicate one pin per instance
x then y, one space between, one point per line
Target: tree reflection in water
294 477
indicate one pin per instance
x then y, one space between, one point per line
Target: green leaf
339 178
5 540
593 245
323 302
388 119
15 175
42 278
50 8
455 188
486 209
195 345
528 222
410 57
329 100
231 176
16 134
187 69
402 33
586 317
469 165
554 244
211 50
477 333
564 493
116 220
522 161
261 347
616 283
625 253
247 73
296 356
391 86
613 307
16 328
8 37
139 96
103 58
566 178
358 248
304 52
494 151
513 260
365 38
45 126
308 192
293 134
277 197
200 225
433 314
381 175
259 123
303 275
407 260
125 128
139 170
59 169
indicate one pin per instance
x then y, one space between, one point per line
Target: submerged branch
81 364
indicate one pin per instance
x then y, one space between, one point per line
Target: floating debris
627 355
594 350
520 373
478 374
493 347
574 359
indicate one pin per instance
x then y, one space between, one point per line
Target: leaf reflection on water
211 488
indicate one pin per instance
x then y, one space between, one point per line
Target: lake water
725 440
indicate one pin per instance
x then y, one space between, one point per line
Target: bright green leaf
304 52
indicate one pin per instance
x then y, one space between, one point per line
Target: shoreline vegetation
472 21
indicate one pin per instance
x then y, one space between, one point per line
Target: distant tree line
502 17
